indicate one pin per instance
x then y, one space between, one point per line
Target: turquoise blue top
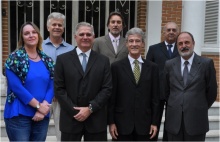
38 84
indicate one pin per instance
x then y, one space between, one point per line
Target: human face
56 28
84 38
30 36
185 45
115 25
170 32
134 45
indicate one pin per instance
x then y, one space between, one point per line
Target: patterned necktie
185 72
115 44
169 49
136 71
84 62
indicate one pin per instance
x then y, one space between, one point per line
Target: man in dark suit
159 54
133 107
190 90
83 86
112 45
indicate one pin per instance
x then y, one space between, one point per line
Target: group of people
105 81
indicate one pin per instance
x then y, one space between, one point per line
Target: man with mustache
133 106
190 90
53 46
159 54
112 45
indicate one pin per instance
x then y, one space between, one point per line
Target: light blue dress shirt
53 51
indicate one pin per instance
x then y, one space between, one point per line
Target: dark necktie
169 49
84 62
185 72
136 71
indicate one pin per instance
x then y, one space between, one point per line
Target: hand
44 108
38 116
113 131
153 131
83 113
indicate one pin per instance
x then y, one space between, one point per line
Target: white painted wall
153 23
193 18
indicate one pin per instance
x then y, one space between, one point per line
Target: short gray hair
135 31
84 24
56 15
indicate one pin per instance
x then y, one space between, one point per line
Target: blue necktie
84 62
169 49
185 72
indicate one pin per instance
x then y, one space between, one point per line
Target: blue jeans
23 128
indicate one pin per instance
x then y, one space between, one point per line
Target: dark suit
190 102
103 45
158 54
73 87
134 106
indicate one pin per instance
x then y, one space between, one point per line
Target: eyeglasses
169 30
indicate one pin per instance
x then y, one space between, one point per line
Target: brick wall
171 12
141 18
4 32
217 68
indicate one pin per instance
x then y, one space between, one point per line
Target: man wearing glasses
159 54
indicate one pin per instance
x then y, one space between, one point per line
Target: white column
193 19
153 24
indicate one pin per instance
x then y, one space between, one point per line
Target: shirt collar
78 51
112 37
132 59
48 41
190 60
166 43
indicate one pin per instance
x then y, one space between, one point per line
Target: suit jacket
134 105
73 87
103 45
193 100
158 54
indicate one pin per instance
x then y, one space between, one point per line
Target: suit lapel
175 51
121 44
109 43
127 69
164 50
91 61
76 62
177 70
194 69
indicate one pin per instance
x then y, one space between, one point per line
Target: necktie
84 62
136 71
115 44
185 72
169 49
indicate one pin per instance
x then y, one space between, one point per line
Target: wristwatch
90 108
38 106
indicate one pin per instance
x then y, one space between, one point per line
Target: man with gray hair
82 83
133 107
53 46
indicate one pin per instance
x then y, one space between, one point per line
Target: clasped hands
42 111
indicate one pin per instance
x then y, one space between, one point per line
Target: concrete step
212 135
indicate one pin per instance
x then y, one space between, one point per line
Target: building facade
201 18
